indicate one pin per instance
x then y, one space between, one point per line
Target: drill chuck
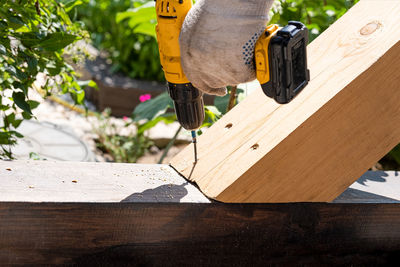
188 103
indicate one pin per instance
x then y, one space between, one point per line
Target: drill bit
194 141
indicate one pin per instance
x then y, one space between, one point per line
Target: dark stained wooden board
177 234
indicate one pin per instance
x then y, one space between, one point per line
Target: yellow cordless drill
188 101
280 60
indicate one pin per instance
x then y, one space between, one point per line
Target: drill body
188 100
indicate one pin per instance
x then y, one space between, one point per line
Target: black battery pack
287 56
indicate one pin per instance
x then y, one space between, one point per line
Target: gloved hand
217 42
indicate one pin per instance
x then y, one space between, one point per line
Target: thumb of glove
217 42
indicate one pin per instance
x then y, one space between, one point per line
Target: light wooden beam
88 182
46 181
312 149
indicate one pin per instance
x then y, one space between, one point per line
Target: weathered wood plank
314 148
38 181
46 181
177 234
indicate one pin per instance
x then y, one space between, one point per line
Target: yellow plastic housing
170 17
261 53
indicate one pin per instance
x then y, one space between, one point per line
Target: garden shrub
33 35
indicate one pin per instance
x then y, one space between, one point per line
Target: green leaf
221 103
32 65
211 116
19 99
26 115
33 104
12 70
71 4
5 138
17 134
140 14
30 39
16 123
88 83
34 156
166 118
3 50
15 22
93 84
3 25
23 87
150 109
20 74
146 28
61 12
141 19
80 96
9 119
57 41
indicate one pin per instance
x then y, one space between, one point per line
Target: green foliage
316 15
154 111
122 148
148 110
221 102
142 19
125 29
160 108
33 35
395 154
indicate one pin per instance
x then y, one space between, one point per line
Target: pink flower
144 98
125 118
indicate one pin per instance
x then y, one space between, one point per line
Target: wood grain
135 234
312 149
46 181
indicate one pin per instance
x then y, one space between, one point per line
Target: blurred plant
125 29
316 15
122 148
160 108
33 35
391 161
395 154
145 97
35 156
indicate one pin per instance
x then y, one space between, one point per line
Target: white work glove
217 42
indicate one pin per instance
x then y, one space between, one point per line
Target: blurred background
125 115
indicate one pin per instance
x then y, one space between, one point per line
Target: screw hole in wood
228 126
255 147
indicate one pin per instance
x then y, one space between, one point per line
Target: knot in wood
370 28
